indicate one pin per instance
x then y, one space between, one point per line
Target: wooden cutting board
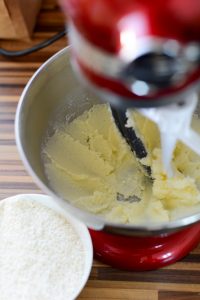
180 281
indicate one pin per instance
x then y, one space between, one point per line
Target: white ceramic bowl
79 227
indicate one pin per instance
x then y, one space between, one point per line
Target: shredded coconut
41 255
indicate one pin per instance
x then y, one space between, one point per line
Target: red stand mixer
142 54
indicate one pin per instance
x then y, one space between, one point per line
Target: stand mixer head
140 54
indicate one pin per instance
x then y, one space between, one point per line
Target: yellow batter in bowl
89 163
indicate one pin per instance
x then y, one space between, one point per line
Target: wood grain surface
179 281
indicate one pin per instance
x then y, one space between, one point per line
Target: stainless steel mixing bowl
52 95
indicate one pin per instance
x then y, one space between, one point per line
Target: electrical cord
46 43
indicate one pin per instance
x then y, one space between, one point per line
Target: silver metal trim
94 58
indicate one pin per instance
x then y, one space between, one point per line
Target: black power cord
37 47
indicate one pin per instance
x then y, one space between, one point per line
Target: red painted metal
102 21
144 253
